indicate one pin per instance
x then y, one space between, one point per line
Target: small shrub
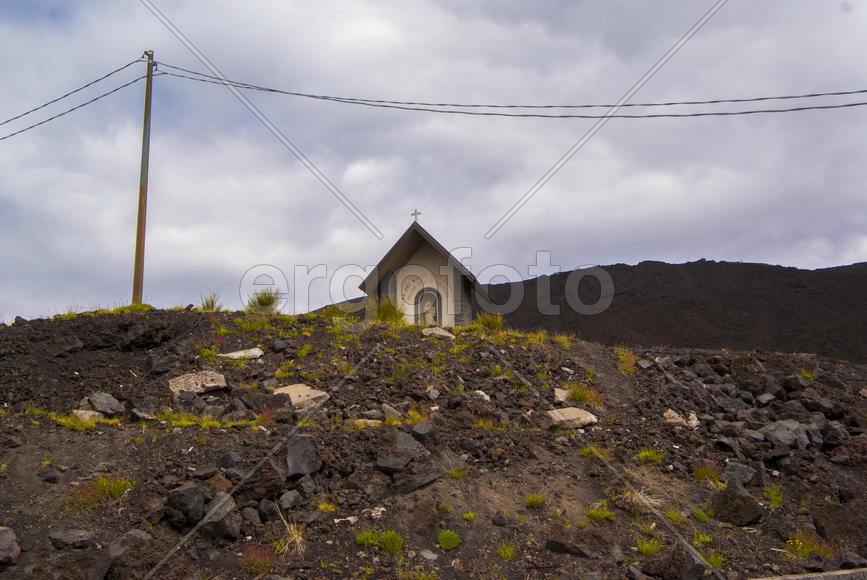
674 516
627 359
649 454
564 340
581 393
774 493
366 538
265 301
489 322
390 542
210 303
714 558
648 546
700 538
699 515
389 313
469 516
506 551
600 512
257 559
808 374
802 543
448 540
535 501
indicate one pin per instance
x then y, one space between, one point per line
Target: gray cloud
226 195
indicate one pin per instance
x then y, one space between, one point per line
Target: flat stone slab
572 417
437 332
197 382
75 539
301 396
855 574
254 352
672 417
87 415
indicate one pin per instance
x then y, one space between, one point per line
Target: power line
366 103
359 100
81 88
75 108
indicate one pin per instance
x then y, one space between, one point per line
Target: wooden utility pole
138 268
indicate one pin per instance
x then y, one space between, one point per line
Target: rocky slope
180 463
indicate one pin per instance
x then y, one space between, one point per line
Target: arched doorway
428 307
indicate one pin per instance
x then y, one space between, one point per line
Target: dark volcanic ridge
707 304
662 463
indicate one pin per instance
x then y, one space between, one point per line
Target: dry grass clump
581 393
257 559
627 359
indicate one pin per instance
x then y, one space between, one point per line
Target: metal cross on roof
415 214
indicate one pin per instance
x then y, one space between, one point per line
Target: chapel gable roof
408 244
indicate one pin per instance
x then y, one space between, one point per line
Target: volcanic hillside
130 448
711 304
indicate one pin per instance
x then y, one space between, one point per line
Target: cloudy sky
226 195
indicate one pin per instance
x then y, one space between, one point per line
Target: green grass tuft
581 393
112 488
456 472
535 501
506 551
595 451
699 515
132 308
648 546
599 512
626 358
488 322
714 558
774 493
448 540
210 303
674 516
650 455
72 422
366 538
802 543
265 301
390 542
389 313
